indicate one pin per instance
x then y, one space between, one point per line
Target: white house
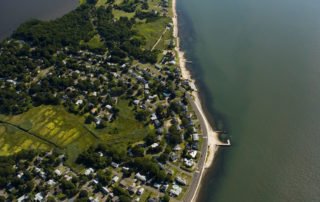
38 197
141 177
57 172
105 190
115 179
89 171
140 191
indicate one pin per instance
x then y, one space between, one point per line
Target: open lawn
125 130
165 40
94 42
152 30
119 13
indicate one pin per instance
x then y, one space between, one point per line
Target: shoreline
213 140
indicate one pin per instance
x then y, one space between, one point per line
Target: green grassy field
68 131
82 1
101 3
52 123
125 130
13 140
153 30
165 40
119 13
94 42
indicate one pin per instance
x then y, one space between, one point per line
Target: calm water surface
14 12
257 63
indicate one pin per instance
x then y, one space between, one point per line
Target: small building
188 162
170 172
132 189
174 157
88 171
38 197
193 154
181 181
95 182
22 198
123 184
153 117
195 146
51 182
156 185
140 191
125 169
158 66
157 123
159 131
175 191
195 137
105 190
93 199
20 175
79 102
154 145
115 165
141 177
164 188
152 200
176 148
57 172
115 179
136 102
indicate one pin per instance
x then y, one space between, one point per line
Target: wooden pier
225 144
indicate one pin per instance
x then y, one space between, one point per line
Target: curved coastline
212 136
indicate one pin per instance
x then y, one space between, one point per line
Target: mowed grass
125 129
13 140
152 30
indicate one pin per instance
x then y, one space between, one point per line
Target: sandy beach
213 140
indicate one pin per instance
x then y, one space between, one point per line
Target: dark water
14 12
257 63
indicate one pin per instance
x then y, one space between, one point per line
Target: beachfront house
181 181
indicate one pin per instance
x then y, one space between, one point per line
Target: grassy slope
153 30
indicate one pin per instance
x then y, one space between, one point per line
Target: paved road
198 174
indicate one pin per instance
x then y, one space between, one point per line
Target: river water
14 12
257 64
